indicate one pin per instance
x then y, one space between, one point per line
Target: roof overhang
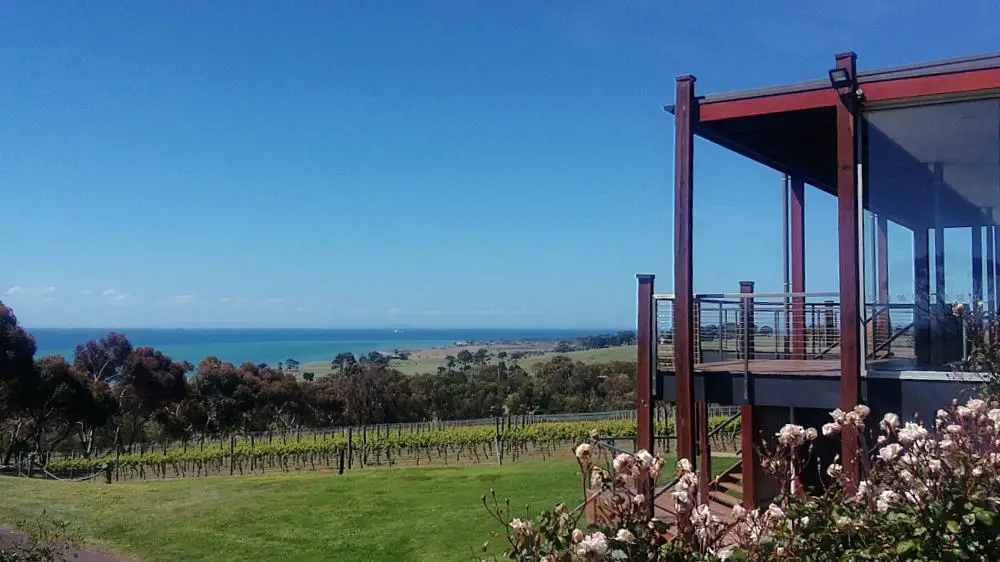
792 128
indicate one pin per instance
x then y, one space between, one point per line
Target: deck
778 367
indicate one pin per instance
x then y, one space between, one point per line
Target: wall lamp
841 79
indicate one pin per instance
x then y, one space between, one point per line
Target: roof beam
936 85
793 101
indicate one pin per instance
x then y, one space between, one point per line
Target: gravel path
8 537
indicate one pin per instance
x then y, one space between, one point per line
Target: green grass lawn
379 514
389 514
417 365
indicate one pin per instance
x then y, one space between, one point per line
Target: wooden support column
883 322
704 452
685 112
798 263
750 458
848 216
921 296
941 297
747 330
991 266
645 375
646 371
977 264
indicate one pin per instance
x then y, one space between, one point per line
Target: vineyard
353 448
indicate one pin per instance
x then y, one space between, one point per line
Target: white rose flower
594 544
834 470
791 435
976 405
890 452
582 450
912 432
683 465
622 463
519 527
965 412
953 428
994 415
890 421
811 434
624 536
775 513
838 416
638 499
831 429
577 535
644 459
739 512
934 465
862 410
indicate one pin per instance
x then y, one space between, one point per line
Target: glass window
932 190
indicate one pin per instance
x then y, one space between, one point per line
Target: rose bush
926 493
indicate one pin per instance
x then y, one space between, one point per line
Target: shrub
925 493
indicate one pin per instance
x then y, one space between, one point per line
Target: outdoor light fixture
840 78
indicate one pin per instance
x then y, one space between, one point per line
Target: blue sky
436 163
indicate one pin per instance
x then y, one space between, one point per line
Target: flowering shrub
925 493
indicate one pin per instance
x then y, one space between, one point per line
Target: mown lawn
381 514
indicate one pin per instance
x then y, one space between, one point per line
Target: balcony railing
781 326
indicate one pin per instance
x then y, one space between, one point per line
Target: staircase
724 492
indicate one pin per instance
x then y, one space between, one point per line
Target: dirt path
8 537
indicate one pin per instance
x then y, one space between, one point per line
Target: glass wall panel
932 192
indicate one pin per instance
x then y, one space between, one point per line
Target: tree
342 360
102 361
375 358
308 376
105 359
766 331
449 362
563 347
60 398
292 365
481 357
464 358
152 387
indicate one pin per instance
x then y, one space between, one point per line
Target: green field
379 514
416 365
388 514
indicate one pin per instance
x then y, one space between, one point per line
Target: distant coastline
304 345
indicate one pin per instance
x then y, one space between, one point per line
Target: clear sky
373 163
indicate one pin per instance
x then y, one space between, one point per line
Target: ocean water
270 346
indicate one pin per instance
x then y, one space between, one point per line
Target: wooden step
723 498
731 486
738 476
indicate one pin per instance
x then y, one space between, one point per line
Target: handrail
744 296
730 470
722 425
892 338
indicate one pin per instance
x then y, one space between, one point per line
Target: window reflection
932 187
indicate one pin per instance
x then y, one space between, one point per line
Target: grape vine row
367 447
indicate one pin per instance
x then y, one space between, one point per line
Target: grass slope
389 514
428 364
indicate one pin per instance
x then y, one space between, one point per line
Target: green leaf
953 526
984 517
919 531
969 519
905 547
